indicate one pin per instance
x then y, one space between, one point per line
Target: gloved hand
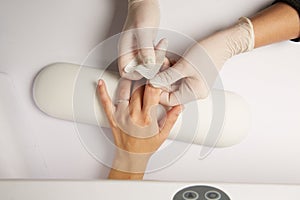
139 33
193 75
135 70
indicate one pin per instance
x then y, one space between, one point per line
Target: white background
35 33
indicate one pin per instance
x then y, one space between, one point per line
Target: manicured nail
100 82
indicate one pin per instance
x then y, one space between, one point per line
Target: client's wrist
131 162
128 166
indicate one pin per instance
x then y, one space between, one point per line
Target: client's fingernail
100 82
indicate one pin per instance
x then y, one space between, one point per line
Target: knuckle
152 90
132 114
140 118
146 120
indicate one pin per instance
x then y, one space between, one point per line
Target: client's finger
170 119
136 100
106 102
123 93
151 97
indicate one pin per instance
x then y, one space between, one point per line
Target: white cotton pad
130 67
68 91
146 72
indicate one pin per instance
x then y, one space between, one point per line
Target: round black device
201 192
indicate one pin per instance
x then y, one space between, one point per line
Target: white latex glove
137 69
139 33
193 75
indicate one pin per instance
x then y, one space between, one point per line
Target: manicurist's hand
136 42
192 77
137 131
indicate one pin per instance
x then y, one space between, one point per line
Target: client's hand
135 127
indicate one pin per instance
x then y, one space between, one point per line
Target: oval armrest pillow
68 91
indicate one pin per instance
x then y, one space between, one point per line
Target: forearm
277 23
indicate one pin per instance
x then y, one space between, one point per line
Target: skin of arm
133 153
278 22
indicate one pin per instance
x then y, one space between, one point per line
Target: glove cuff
246 24
224 44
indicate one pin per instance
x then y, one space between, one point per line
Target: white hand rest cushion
68 91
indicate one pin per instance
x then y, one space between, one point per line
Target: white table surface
36 33
135 190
